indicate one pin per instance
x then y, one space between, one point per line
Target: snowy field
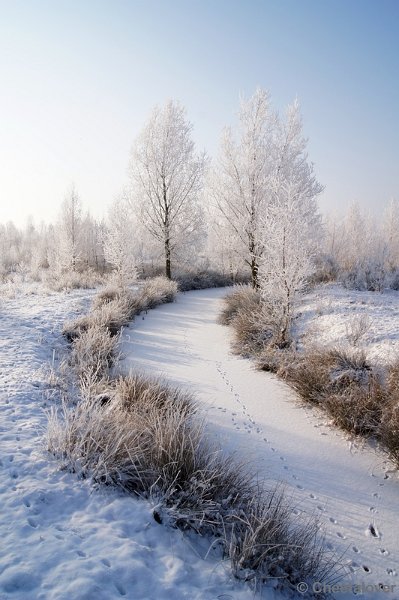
62 539
333 315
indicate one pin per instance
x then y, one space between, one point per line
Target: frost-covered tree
239 180
91 245
292 164
119 246
390 233
291 222
291 227
67 234
167 175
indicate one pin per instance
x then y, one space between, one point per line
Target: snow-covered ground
333 315
62 539
352 488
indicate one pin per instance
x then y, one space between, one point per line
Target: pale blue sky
79 78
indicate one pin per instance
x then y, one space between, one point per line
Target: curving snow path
353 489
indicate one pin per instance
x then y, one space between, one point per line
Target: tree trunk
254 273
168 269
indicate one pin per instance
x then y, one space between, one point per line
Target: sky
78 80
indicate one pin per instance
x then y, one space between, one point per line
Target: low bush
200 280
157 291
357 408
93 352
146 392
253 331
70 280
242 298
389 426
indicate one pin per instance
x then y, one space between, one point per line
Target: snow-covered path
354 490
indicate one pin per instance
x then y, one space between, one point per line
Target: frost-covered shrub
199 280
368 275
93 351
242 297
157 291
358 408
60 281
344 383
254 330
326 269
393 279
149 392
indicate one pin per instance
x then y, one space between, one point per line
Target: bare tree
167 178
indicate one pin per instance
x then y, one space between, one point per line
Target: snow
60 538
327 313
64 539
351 487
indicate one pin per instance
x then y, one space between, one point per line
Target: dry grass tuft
159 290
243 297
150 447
147 391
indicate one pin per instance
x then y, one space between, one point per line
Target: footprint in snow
321 508
313 496
341 535
391 572
81 553
332 520
32 522
373 531
355 549
106 562
300 487
384 552
366 569
120 588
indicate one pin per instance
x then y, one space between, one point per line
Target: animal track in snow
373 531
32 522
366 569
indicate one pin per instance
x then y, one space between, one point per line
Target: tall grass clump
389 426
115 307
243 297
149 440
